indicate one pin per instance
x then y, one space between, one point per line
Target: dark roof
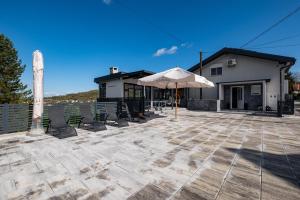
243 52
124 75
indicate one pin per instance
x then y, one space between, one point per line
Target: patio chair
170 102
57 126
101 111
126 110
88 121
113 114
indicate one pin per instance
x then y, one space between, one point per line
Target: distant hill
88 96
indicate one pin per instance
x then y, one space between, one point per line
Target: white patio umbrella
175 78
38 92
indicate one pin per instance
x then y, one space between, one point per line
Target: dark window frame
135 88
102 90
216 71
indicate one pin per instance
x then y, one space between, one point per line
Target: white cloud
166 51
183 44
107 2
186 45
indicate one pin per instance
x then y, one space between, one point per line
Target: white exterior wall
114 89
131 80
247 69
286 87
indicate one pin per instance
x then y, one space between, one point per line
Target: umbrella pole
176 102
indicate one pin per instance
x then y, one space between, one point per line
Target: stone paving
204 155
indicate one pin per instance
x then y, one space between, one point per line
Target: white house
244 79
122 87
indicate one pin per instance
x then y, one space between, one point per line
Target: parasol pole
38 93
176 102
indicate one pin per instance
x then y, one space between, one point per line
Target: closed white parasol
175 78
38 92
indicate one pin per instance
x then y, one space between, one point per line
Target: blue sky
80 39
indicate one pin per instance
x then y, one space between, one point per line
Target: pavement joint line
179 145
261 161
231 166
257 135
207 159
50 186
256 120
290 166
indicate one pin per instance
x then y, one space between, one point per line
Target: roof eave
244 52
122 75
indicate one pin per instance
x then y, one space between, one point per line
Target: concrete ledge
202 104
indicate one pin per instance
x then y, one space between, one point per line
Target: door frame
243 95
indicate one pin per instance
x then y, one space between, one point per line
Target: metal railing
286 107
18 117
157 104
14 117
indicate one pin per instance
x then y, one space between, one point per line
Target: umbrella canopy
175 76
38 91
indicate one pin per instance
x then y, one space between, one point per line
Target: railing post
279 109
30 112
5 117
218 105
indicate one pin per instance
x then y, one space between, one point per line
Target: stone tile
193 193
283 183
218 163
35 191
212 177
248 181
238 191
223 153
278 193
192 159
280 170
149 192
249 165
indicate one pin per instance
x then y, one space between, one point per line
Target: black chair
88 121
58 127
113 114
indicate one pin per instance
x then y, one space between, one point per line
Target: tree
292 78
11 69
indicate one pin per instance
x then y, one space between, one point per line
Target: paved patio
202 156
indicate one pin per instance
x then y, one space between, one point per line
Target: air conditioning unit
231 62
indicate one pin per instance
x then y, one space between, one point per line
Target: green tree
292 78
11 69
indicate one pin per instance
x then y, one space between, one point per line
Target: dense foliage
11 69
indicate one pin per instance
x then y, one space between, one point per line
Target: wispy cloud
107 2
173 49
186 45
165 51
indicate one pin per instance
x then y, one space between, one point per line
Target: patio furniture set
59 127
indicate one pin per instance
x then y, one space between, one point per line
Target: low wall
202 104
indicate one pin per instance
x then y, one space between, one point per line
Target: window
138 92
255 89
133 91
148 93
216 71
102 88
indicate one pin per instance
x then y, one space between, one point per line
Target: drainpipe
201 72
279 112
